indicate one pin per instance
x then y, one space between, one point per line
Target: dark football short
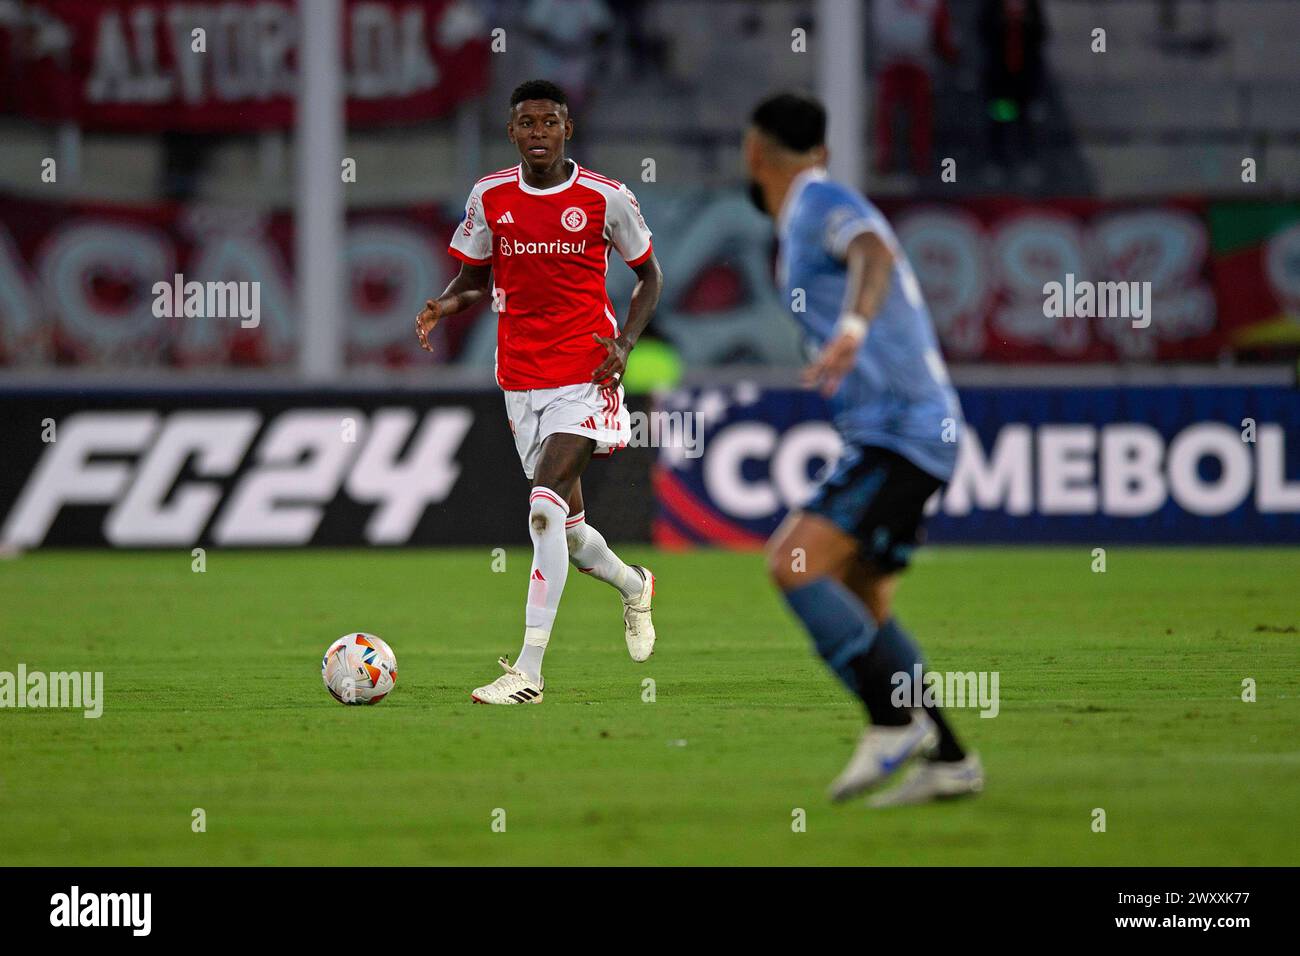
879 497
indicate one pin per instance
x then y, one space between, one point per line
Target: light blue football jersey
898 394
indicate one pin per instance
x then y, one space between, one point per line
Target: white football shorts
587 410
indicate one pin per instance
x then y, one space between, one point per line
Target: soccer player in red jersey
537 238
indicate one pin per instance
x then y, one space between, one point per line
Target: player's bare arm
645 296
870 264
469 286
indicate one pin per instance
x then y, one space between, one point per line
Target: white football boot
880 752
512 687
934 780
639 630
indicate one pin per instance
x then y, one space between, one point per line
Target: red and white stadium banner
77 284
133 64
983 264
76 279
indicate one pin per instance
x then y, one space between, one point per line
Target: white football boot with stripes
934 780
512 687
880 752
638 629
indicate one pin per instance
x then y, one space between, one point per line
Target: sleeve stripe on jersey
467 258
850 231
650 247
584 171
500 173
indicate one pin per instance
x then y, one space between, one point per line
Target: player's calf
550 568
589 553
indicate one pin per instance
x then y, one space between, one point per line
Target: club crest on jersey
573 219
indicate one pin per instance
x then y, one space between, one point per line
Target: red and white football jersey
549 250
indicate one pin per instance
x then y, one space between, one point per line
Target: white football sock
546 513
591 555
530 658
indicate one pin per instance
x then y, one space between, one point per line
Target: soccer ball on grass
359 669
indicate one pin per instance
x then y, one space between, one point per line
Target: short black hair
795 120
538 90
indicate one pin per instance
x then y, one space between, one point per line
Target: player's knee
543 516
781 569
545 511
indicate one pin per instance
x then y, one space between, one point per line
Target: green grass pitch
1120 690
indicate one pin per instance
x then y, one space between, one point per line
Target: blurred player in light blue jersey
837 561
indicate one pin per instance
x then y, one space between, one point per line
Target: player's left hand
425 322
610 372
834 362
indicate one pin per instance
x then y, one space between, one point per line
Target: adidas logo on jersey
506 217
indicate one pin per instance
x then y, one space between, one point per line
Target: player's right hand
835 361
425 321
